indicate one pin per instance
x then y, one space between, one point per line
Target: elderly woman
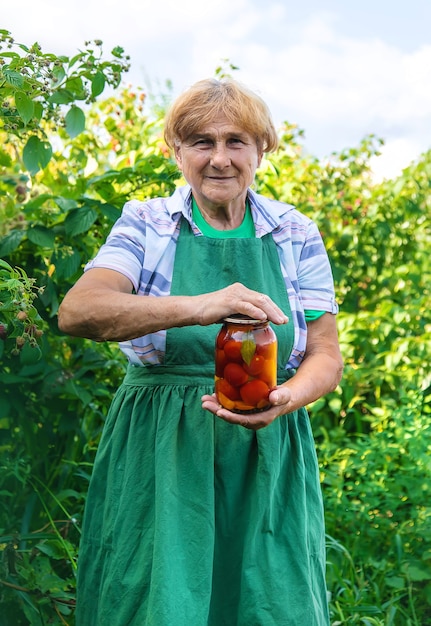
195 515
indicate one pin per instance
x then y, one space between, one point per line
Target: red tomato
235 374
254 391
256 365
220 362
222 386
232 350
220 338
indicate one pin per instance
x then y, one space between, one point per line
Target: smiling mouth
220 177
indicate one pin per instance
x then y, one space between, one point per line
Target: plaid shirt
142 244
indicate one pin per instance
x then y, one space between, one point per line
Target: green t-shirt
245 229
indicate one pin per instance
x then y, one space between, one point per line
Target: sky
339 69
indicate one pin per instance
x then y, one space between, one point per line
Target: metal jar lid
238 318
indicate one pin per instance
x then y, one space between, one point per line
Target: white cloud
340 89
328 77
337 88
395 156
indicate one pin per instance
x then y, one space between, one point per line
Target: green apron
191 521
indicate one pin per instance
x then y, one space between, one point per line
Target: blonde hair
209 98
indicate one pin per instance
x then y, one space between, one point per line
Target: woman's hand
280 398
236 298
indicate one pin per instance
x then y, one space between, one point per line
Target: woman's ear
259 158
178 155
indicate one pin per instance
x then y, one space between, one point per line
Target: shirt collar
180 202
266 213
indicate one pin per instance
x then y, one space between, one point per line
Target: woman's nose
220 156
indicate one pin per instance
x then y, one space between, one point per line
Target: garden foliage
70 157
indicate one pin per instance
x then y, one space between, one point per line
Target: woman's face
219 162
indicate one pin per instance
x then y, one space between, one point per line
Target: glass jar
245 364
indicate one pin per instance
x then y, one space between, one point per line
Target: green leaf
105 190
59 73
75 121
65 204
29 354
118 52
67 265
13 78
248 348
38 111
396 582
54 548
5 159
110 211
76 58
25 106
110 124
79 220
418 572
97 84
41 236
37 202
79 392
11 242
10 54
76 86
61 96
36 154
5 265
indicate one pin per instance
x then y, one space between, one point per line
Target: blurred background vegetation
75 144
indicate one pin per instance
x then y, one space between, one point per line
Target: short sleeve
315 278
124 248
